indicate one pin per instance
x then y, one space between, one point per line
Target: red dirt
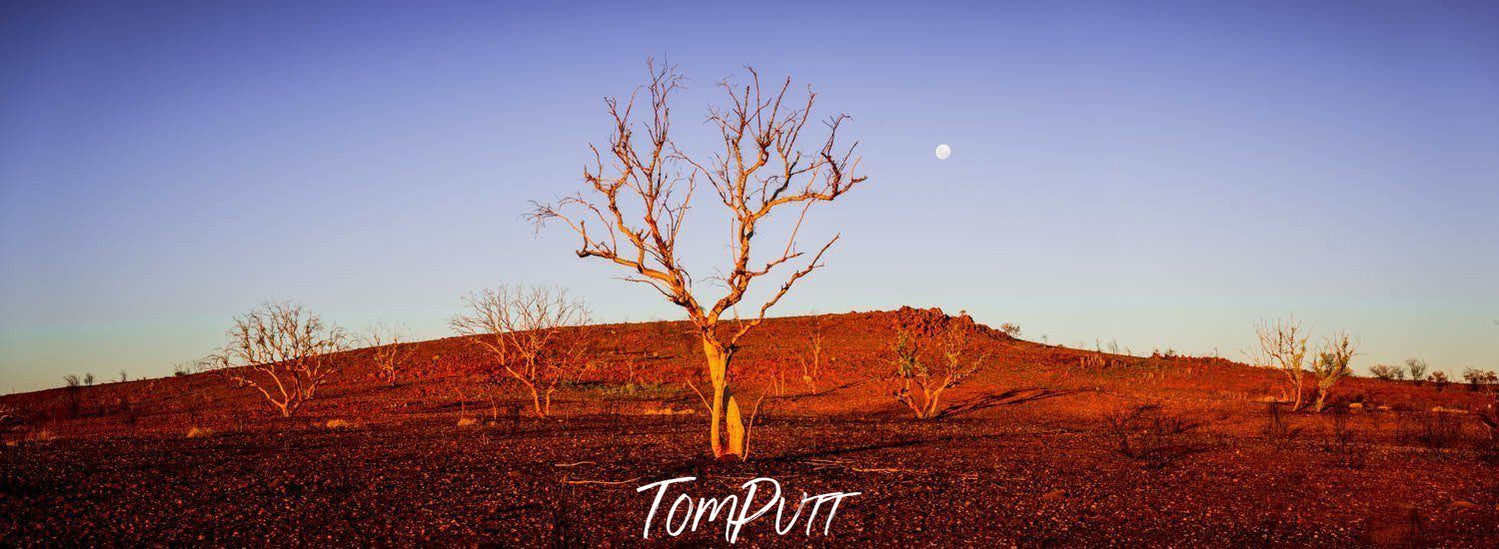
1026 455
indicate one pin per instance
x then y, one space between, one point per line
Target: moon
943 151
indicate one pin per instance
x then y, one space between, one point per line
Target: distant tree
1417 368
531 332
283 351
811 359
124 377
1283 346
74 392
1478 378
1387 372
1331 366
1439 379
634 210
88 379
932 353
1010 329
390 352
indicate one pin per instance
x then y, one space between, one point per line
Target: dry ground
1029 456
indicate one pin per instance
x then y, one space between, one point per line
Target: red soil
1025 456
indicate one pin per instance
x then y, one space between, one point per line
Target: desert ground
1046 446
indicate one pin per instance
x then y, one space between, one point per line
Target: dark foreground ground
1000 479
1037 452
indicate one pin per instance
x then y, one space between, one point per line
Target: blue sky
1160 174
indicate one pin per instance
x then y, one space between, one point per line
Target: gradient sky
1158 174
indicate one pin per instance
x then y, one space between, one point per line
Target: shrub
1439 379
1331 366
1344 443
1478 378
283 351
1387 372
1430 430
1010 329
1277 429
533 335
1283 347
1417 369
932 353
1146 433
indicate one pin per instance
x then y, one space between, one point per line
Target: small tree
1283 346
1478 378
1439 380
390 351
811 360
88 379
1331 366
1387 372
1010 329
532 334
283 351
932 353
1417 368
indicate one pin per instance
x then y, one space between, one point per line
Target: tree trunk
1296 382
726 434
536 402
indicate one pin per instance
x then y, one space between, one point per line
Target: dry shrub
1277 428
467 421
1347 446
1429 430
932 353
1150 435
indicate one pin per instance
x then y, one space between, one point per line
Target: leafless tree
391 351
632 211
1478 378
283 351
932 354
1332 365
811 359
532 333
1283 346
1417 368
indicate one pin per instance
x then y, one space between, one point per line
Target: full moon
943 151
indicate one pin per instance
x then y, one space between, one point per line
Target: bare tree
932 355
633 210
532 334
391 352
1011 329
1417 368
283 351
1283 346
1478 378
811 359
1331 365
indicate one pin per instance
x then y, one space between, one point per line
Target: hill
1044 445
